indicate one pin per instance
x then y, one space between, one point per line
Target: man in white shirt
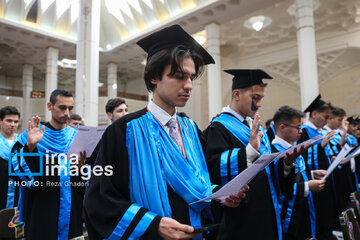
298 213
157 156
317 157
233 142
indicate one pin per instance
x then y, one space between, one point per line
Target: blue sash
5 153
155 161
272 126
242 133
314 157
299 167
55 142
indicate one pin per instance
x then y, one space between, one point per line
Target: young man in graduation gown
9 122
233 142
156 155
344 178
51 203
298 212
317 157
353 129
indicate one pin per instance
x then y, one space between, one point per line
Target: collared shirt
161 115
251 153
287 169
326 127
310 124
10 141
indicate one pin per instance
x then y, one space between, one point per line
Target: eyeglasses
297 127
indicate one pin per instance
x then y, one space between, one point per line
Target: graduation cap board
171 37
315 104
244 78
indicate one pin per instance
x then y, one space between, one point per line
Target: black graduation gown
4 184
255 217
107 198
42 206
325 200
299 226
271 134
343 179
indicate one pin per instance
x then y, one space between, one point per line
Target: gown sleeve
109 211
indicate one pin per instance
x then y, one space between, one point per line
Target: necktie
173 132
246 123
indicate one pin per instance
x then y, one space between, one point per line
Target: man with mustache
53 208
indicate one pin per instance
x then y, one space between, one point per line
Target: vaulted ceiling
28 27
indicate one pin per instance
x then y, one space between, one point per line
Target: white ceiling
21 44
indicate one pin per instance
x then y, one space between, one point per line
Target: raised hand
345 125
35 134
82 160
327 139
170 229
255 135
290 158
343 138
235 200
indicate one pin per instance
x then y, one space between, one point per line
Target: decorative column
51 78
87 56
309 84
112 80
213 70
27 84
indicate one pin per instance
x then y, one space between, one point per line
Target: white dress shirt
287 169
310 124
161 115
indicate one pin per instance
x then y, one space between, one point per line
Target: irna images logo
55 165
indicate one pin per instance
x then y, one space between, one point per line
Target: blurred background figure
75 120
116 108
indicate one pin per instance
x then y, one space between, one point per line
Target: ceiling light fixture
257 22
67 63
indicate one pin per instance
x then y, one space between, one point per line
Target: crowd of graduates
162 162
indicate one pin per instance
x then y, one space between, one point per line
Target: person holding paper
298 212
343 177
316 157
50 204
9 122
156 153
233 142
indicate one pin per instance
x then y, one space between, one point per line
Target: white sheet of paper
344 151
235 185
355 153
86 140
305 144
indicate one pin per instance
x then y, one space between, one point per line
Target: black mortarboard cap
353 120
244 78
171 37
315 104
